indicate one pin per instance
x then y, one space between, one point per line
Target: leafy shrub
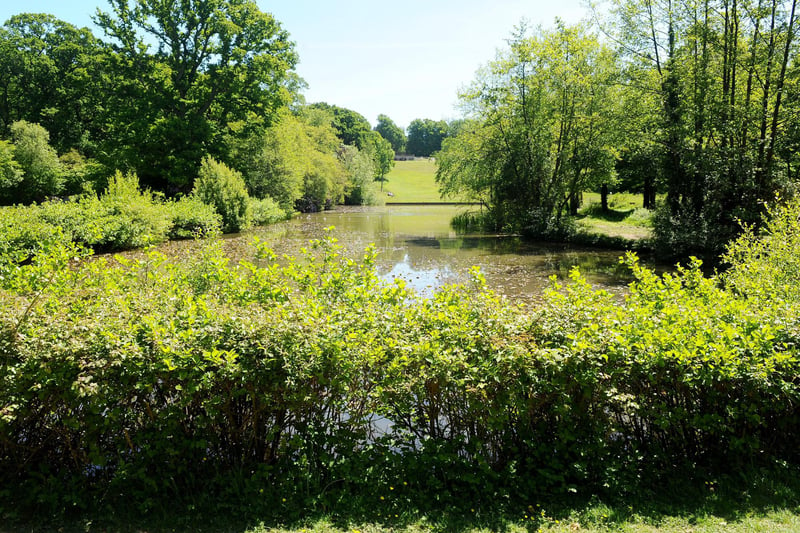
640 217
82 175
765 266
23 233
265 211
152 379
10 170
192 218
225 190
39 162
122 217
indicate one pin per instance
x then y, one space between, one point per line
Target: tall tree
351 127
541 131
425 136
720 69
381 152
51 73
186 69
392 133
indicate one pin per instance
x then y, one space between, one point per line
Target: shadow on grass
610 215
689 496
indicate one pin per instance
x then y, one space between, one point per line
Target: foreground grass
773 522
761 500
768 501
412 181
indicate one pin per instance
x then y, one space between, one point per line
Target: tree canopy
540 132
425 136
392 133
185 70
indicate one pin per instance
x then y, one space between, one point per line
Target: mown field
412 181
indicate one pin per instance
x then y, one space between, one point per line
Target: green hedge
122 217
299 383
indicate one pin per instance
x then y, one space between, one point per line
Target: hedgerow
122 217
277 386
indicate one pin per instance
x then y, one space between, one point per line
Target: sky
406 60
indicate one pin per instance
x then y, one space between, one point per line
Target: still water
417 243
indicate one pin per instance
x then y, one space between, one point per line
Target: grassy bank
413 182
625 219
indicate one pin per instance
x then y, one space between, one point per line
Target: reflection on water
416 243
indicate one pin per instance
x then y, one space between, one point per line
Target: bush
192 218
122 217
764 264
38 161
225 190
265 211
267 386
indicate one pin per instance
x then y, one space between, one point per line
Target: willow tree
539 130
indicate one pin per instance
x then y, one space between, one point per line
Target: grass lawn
776 521
625 218
412 181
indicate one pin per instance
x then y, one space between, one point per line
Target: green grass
625 219
412 181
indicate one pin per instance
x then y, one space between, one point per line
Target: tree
541 131
425 136
50 74
10 172
381 152
721 71
41 169
293 162
392 133
360 169
185 70
351 127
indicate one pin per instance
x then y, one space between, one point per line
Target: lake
418 244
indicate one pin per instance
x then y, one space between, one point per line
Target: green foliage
392 133
281 386
293 162
191 218
351 127
360 169
214 62
81 174
380 150
425 136
225 190
122 217
52 74
265 211
41 169
709 111
764 264
10 170
541 135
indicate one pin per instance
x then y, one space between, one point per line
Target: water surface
418 244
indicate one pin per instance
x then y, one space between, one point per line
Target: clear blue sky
403 59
